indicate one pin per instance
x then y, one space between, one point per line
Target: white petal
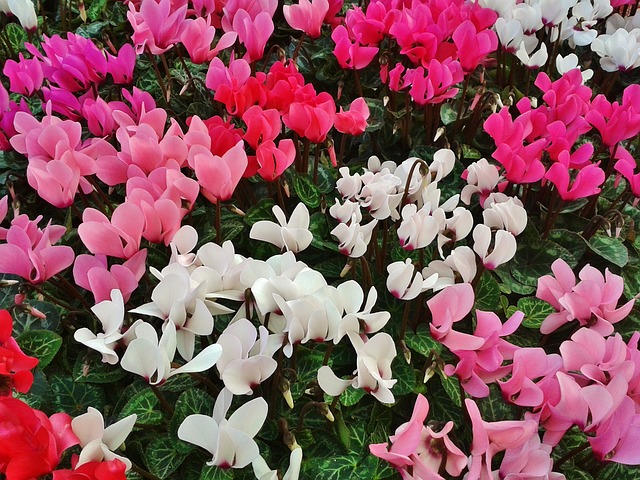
266 231
206 359
117 433
140 358
250 417
295 462
200 430
88 426
330 383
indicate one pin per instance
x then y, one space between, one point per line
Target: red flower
113 470
31 443
14 364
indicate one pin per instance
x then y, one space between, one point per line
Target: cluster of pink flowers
554 129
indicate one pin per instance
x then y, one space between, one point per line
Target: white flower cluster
571 20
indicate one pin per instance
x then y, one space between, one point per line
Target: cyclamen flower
353 122
417 448
592 301
30 251
151 357
15 366
157 25
230 442
306 16
32 444
293 235
98 442
373 373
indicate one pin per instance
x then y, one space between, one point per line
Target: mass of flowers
319 239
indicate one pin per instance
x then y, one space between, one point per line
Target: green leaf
470 153
494 409
164 456
190 402
534 258
421 341
24 321
376 114
16 36
609 248
510 284
306 190
144 405
631 276
617 471
338 467
451 386
488 293
215 473
535 311
448 114
95 10
260 211
38 393
405 374
42 344
230 229
74 398
574 242
351 396
326 178
90 369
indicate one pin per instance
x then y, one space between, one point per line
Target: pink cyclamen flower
25 76
481 365
592 301
253 33
625 166
490 438
157 25
353 122
262 125
197 37
351 54
121 66
586 183
273 161
312 118
306 16
92 273
219 176
418 448
30 251
119 237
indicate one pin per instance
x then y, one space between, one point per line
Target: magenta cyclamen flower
30 251
592 301
157 25
586 183
25 76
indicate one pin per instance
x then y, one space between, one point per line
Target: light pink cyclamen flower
92 273
119 237
481 365
306 16
30 251
219 176
197 36
592 301
417 448
490 438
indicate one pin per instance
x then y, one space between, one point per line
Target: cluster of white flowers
567 20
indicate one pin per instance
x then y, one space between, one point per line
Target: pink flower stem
64 284
186 69
405 319
356 77
366 274
343 145
52 299
462 102
304 167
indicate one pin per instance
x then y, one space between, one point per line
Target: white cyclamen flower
111 315
98 442
151 358
619 51
570 62
293 235
504 246
405 283
230 442
25 12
